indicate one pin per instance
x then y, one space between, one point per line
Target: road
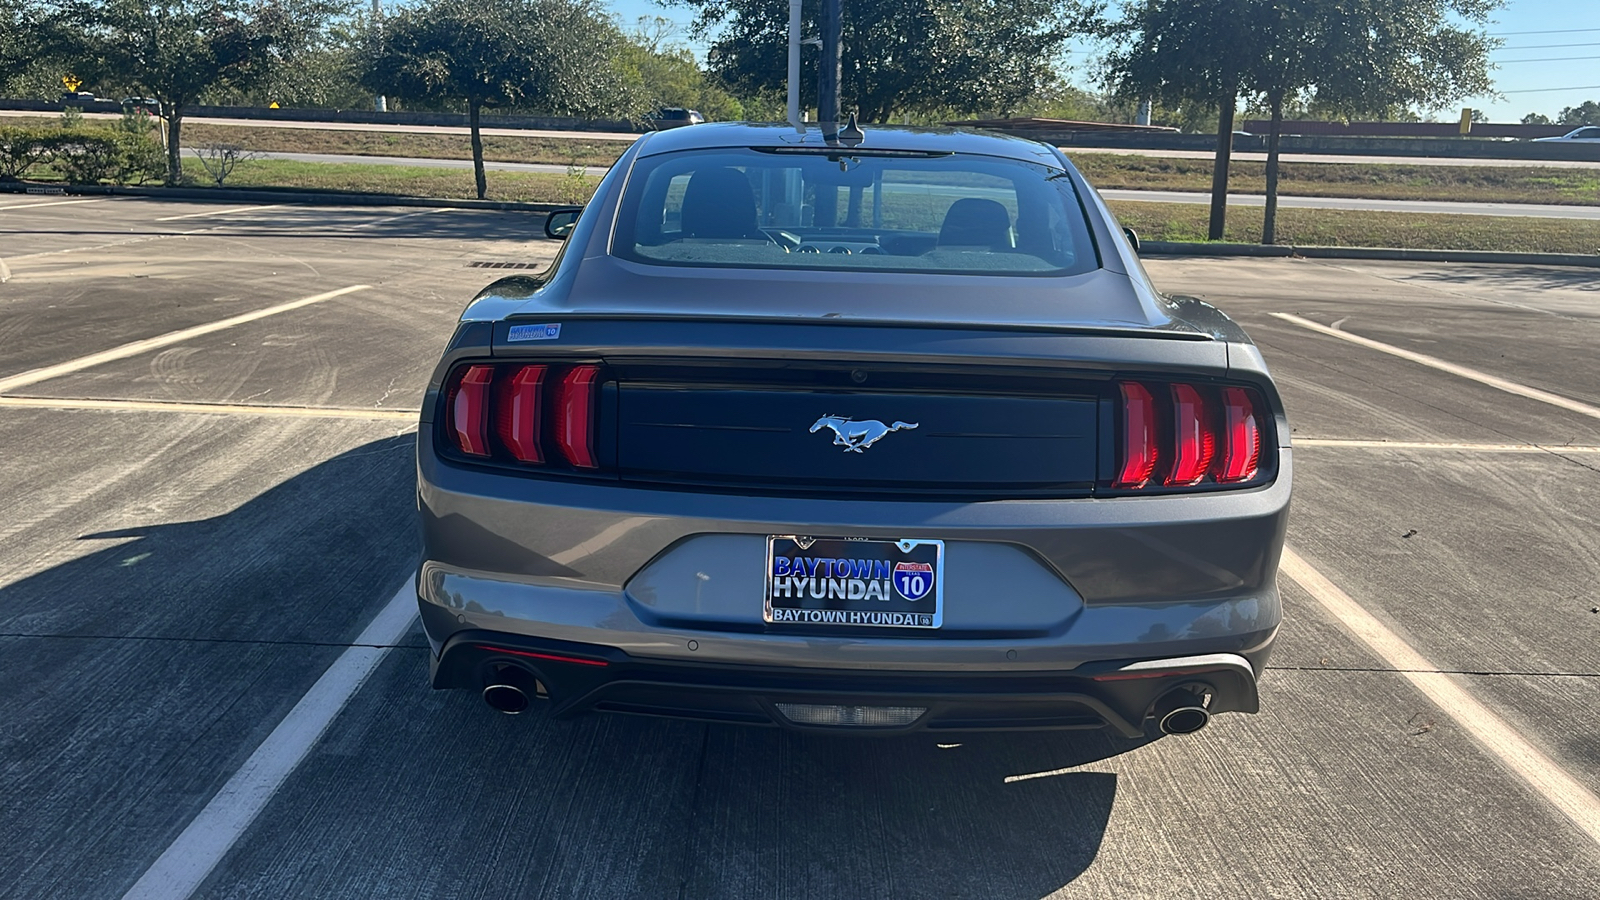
207 413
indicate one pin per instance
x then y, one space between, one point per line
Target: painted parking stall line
1447 446
236 409
1510 387
222 212
187 861
135 348
1515 752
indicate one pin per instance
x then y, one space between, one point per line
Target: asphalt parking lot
206 416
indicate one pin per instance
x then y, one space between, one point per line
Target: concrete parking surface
206 417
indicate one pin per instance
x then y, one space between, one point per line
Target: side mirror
1133 237
559 223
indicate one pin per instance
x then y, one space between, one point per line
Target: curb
275 195
1499 257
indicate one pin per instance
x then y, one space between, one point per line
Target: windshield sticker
534 332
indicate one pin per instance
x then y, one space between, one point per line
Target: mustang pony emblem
855 437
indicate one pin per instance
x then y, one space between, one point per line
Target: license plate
854 582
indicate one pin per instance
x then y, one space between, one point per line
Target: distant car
878 437
147 105
1589 134
675 117
71 97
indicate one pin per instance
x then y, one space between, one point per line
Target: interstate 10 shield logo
913 580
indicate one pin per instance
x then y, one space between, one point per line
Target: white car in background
1589 134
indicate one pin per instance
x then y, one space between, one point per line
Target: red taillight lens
1193 437
575 398
469 410
1242 435
517 414
1138 436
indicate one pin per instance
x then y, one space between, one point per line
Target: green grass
1360 228
1371 181
1496 184
409 181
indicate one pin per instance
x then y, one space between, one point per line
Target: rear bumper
577 678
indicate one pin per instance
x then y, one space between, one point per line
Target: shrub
81 155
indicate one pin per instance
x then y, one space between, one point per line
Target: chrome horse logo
855 437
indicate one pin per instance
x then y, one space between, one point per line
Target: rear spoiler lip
1116 331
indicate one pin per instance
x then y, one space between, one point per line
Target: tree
1586 113
1180 52
900 56
1534 118
177 51
556 56
663 71
1350 57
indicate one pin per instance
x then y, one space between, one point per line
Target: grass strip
1374 181
1362 228
1365 181
408 181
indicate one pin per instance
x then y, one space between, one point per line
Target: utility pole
380 103
830 69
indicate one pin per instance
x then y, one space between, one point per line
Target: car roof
715 135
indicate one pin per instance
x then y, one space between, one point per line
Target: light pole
380 103
830 70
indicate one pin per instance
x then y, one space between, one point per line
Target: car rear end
636 499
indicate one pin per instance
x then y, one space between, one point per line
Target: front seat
976 222
718 204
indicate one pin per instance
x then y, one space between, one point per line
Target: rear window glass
953 213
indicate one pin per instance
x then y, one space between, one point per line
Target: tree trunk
473 108
1219 171
174 147
1269 223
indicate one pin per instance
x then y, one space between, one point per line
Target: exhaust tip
507 698
1181 711
512 689
1185 720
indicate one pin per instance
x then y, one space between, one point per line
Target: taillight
517 414
1241 435
469 410
532 414
1138 436
1193 439
575 416
1182 435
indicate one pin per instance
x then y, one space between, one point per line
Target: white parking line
1524 759
1337 444
296 412
53 203
1510 387
222 212
181 868
135 348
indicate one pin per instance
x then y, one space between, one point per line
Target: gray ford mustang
875 438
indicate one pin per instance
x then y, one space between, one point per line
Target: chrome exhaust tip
511 690
1182 711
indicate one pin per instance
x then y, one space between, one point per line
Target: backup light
856 716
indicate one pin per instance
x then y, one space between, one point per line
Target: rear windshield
951 213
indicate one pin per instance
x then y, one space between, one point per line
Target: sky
1551 57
